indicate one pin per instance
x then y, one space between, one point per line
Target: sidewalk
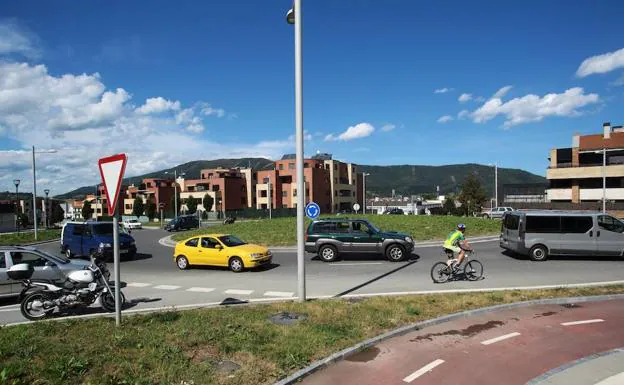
516 346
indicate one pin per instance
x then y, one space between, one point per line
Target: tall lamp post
294 17
16 182
364 175
175 187
46 206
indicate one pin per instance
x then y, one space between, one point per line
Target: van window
611 224
511 222
578 225
543 224
77 229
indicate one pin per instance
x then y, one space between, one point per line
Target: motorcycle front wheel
32 307
107 300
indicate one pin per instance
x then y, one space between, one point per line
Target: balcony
595 194
585 171
559 194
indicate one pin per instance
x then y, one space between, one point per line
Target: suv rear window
331 227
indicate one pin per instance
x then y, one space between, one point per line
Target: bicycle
473 269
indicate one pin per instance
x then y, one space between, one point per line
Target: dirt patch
365 355
470 331
571 305
547 314
201 354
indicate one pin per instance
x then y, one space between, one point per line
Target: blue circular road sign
312 210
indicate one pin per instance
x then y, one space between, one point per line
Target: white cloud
388 127
360 130
78 116
533 108
464 98
463 114
502 92
601 64
442 90
619 82
445 119
157 106
306 136
15 39
207 110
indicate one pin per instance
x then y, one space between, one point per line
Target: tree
57 214
150 210
472 195
87 211
208 202
448 208
191 204
138 208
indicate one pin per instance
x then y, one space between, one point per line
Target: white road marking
422 370
617 379
167 287
201 289
356 264
279 294
238 292
501 338
589 321
7 310
138 284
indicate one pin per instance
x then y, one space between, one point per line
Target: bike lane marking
501 338
589 321
425 369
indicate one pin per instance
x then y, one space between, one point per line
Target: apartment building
332 184
576 174
155 190
230 189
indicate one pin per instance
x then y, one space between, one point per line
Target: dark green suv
331 237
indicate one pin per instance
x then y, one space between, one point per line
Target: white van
539 234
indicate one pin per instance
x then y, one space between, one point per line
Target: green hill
403 179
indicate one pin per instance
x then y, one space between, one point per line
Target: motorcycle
229 220
81 288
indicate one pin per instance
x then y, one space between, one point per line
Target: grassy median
281 231
26 237
187 347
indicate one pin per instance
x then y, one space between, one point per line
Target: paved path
504 347
154 280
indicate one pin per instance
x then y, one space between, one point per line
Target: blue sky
371 71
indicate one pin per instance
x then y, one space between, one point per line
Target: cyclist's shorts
454 249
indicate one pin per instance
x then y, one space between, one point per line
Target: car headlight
132 243
254 255
409 239
104 245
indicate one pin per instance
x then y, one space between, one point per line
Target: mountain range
382 181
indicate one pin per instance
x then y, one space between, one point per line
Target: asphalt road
154 281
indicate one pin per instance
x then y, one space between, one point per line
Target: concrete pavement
154 279
515 346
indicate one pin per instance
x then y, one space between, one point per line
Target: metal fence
262 213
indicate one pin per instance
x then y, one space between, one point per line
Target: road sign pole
117 272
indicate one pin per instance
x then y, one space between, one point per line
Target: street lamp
175 187
364 175
16 182
46 191
294 17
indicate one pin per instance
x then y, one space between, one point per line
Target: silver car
47 267
496 212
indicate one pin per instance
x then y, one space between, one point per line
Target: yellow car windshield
231 241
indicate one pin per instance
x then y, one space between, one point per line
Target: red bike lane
502 347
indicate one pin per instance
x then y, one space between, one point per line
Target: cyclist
457 244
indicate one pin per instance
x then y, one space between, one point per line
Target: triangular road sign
112 170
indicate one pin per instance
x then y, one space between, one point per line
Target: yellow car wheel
182 262
236 264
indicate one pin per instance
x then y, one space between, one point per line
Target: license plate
123 251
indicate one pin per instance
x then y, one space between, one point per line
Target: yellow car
220 250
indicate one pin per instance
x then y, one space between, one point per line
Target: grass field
186 347
28 237
282 231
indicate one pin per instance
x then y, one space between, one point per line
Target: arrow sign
312 210
112 170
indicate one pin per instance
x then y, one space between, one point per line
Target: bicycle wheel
473 270
440 272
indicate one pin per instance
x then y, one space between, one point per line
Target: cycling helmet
461 226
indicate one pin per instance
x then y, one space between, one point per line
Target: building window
291 166
128 207
281 166
335 193
149 185
265 180
243 201
284 194
336 166
354 193
307 192
306 165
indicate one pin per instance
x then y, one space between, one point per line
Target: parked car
83 238
495 213
540 234
220 250
394 211
331 237
47 266
183 222
132 224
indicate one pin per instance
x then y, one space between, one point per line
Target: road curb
323 363
42 242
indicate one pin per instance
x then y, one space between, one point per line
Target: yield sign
112 170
